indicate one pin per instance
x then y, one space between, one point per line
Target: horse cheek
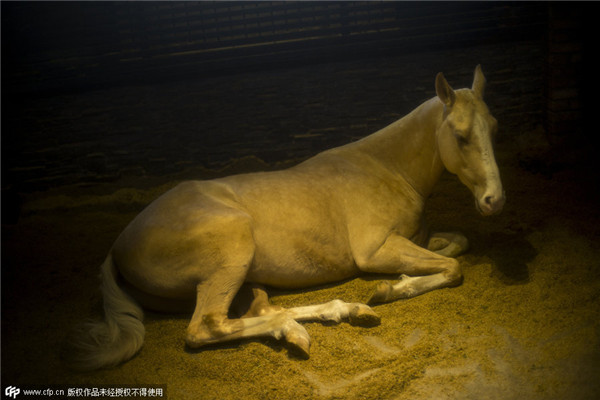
449 154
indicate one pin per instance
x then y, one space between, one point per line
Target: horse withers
353 209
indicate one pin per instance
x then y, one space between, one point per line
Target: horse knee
453 273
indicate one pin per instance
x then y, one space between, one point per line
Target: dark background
106 92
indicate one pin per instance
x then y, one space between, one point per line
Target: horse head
465 142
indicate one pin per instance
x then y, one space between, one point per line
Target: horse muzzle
491 203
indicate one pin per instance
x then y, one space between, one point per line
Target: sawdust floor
525 324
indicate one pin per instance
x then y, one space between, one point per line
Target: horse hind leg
210 323
233 246
262 319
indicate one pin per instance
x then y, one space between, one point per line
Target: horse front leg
333 311
421 270
448 244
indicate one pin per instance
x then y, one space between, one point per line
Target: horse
347 211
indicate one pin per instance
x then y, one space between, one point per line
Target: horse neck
408 147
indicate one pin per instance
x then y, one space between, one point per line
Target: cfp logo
12 391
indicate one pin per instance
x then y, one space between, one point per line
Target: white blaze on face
489 195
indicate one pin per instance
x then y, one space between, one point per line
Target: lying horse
349 210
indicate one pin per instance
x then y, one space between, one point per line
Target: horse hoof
382 293
298 346
363 315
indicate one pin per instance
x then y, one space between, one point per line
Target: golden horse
353 209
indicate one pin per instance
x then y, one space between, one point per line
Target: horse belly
298 273
294 261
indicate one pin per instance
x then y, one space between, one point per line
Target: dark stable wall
95 92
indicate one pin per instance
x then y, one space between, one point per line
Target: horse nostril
491 203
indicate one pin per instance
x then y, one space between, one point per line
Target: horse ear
444 91
478 82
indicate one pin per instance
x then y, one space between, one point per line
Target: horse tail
108 342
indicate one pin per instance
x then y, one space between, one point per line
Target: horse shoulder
379 205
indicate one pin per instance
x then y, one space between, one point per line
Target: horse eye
462 141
